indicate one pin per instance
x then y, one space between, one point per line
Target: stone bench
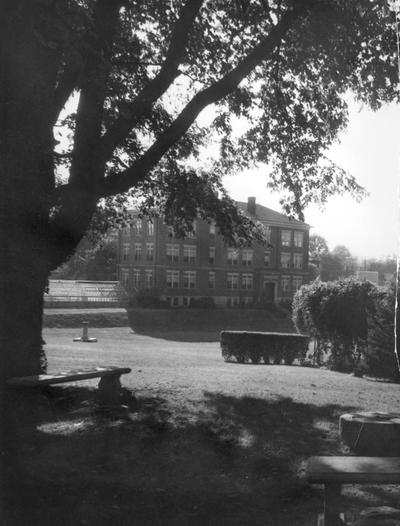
109 384
333 472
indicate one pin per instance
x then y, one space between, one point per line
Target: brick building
202 266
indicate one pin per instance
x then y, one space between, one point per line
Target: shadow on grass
228 461
181 335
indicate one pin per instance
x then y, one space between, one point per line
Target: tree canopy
144 72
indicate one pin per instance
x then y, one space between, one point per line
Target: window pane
298 239
285 260
286 238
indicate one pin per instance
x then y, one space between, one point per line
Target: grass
197 441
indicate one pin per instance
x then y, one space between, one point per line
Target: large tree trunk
27 77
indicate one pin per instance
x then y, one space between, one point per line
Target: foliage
91 261
141 75
271 347
317 247
380 357
337 315
202 303
332 265
147 299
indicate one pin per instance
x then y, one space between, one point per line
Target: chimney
251 205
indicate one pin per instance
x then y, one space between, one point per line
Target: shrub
149 299
202 303
380 358
336 314
271 347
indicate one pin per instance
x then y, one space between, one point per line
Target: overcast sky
370 150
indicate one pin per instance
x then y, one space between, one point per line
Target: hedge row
271 347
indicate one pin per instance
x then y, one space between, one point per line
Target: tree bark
28 69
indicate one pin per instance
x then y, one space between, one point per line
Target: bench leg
332 505
109 389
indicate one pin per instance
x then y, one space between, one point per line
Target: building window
267 259
232 302
211 255
125 277
138 252
297 283
150 228
136 278
193 232
189 279
285 284
286 238
247 257
186 301
212 230
232 281
266 232
247 281
233 256
172 279
125 252
172 253
148 279
298 239
298 260
211 280
138 227
189 254
149 251
285 260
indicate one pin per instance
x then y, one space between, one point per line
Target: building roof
271 216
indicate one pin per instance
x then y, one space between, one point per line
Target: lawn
197 442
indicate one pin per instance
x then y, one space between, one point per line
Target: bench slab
353 470
69 376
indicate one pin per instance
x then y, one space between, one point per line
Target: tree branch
122 181
153 91
77 206
87 166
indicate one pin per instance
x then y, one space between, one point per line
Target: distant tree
331 267
142 72
336 264
317 247
349 262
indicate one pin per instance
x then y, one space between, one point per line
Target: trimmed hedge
271 347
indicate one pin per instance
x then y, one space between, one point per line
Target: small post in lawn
85 335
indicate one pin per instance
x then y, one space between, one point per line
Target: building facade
181 271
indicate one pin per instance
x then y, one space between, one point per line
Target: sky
370 150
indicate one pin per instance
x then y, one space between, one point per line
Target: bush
271 347
202 303
380 358
337 314
149 299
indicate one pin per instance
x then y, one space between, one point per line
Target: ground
197 442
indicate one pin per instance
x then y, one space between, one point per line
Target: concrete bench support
333 472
